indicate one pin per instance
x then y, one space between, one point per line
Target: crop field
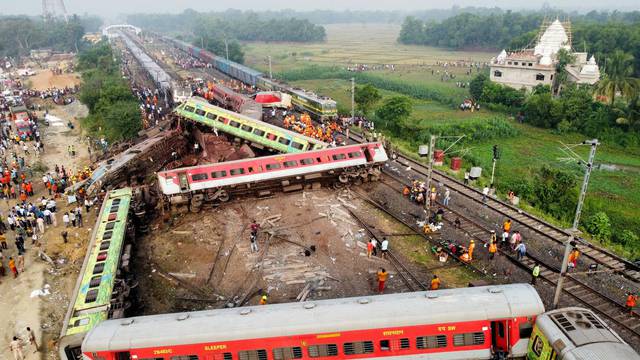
354 44
609 191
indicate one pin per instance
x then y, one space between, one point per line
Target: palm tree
618 77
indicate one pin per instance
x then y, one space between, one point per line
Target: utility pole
496 156
270 72
570 241
427 200
353 98
226 46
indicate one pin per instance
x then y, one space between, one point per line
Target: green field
609 191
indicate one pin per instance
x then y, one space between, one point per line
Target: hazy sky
113 7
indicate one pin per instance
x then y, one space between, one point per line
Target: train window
339 157
323 350
212 116
81 322
255 169
404 343
225 356
258 132
95 281
185 357
105 245
385 345
306 161
358 347
296 145
234 124
200 112
291 163
273 166
355 154
112 216
239 171
319 159
189 108
125 355
107 235
110 226
102 256
284 141
501 329
158 358
271 136
252 354
98 268
431 342
198 177
468 339
525 330
246 128
218 174
286 353
91 296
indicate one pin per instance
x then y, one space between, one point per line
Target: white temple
530 67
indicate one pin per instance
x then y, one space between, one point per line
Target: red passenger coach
344 161
467 323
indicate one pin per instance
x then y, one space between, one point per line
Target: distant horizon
114 8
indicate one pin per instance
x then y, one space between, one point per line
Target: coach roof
394 310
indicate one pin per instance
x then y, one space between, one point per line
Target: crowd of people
469 105
328 131
150 106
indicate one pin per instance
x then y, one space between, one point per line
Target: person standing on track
447 197
370 248
382 278
521 251
435 282
384 247
16 348
535 273
632 301
32 339
493 248
472 246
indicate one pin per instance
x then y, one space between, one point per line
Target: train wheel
344 178
224 196
338 185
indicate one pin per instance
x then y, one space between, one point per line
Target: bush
599 226
629 238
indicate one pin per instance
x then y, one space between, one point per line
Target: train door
500 336
369 153
184 183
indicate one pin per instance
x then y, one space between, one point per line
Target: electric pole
496 156
427 200
270 72
226 46
574 228
353 99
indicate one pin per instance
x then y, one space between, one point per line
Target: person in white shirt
384 246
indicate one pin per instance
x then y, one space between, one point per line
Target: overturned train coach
217 182
454 324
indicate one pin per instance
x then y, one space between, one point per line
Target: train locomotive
322 108
456 324
576 334
216 182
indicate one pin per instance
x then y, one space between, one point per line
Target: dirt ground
204 260
44 313
45 79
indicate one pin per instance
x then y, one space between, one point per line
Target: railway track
578 291
548 231
412 282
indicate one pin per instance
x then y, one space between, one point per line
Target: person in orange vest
465 257
632 301
406 191
573 259
472 246
263 299
12 267
506 227
382 278
23 196
493 248
435 282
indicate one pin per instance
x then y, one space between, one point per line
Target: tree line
114 112
235 24
20 34
598 33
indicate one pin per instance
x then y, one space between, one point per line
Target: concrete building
529 67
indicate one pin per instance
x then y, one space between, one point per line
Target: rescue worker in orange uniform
472 246
435 283
632 301
382 278
493 248
263 299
